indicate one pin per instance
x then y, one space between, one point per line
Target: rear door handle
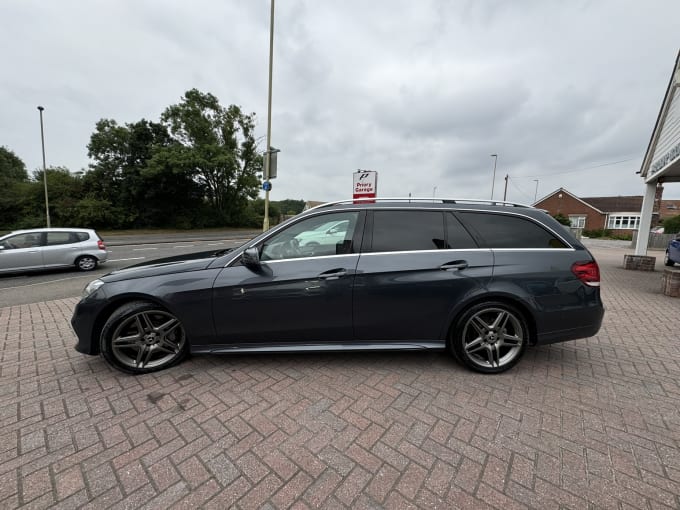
333 274
456 264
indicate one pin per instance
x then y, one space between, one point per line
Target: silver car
46 248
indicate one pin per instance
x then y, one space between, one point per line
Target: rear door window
55 238
509 231
408 231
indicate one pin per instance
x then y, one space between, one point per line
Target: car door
21 252
415 267
61 249
297 295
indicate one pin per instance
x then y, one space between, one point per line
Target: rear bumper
586 323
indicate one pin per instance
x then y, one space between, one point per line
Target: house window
623 222
577 221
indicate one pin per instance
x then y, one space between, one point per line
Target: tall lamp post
42 138
268 157
493 180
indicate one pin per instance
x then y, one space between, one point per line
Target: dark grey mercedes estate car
483 280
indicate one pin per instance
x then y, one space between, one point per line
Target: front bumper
83 323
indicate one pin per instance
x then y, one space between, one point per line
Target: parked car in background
483 280
672 256
322 238
47 248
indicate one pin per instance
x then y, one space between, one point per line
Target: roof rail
440 200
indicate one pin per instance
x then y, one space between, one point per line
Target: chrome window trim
320 210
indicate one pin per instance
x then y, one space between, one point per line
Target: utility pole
505 193
493 179
536 192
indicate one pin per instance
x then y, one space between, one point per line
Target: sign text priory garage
365 186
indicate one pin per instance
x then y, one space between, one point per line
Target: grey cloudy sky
420 91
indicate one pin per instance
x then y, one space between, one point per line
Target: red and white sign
365 186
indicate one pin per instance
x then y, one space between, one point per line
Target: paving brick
589 423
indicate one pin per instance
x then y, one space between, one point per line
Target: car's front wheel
141 337
667 260
86 263
490 337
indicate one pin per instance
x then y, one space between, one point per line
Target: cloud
422 92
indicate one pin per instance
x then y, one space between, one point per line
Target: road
20 289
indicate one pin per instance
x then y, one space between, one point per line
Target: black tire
490 337
86 263
667 260
141 337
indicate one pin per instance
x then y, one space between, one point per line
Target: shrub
596 233
562 219
671 225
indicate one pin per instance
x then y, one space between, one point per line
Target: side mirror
251 259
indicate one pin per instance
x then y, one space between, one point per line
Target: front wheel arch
141 337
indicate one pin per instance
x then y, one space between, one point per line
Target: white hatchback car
46 248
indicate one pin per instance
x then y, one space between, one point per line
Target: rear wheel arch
520 305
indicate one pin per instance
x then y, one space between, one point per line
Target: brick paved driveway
592 423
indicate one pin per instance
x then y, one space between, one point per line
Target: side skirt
318 347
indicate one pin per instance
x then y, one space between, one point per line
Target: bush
596 233
562 219
671 225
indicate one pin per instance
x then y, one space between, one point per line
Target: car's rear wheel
667 260
490 337
141 337
86 263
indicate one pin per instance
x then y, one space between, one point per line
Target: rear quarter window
509 231
82 236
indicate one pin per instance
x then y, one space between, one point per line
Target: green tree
291 207
138 195
12 168
14 184
216 147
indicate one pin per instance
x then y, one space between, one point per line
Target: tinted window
505 231
327 234
408 231
82 236
456 235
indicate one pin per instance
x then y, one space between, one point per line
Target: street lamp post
268 157
42 138
493 180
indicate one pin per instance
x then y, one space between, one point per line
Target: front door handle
333 274
456 264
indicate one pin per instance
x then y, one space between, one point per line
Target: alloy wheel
147 340
492 338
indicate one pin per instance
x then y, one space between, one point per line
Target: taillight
587 272
101 245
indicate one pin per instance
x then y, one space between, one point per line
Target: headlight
91 288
